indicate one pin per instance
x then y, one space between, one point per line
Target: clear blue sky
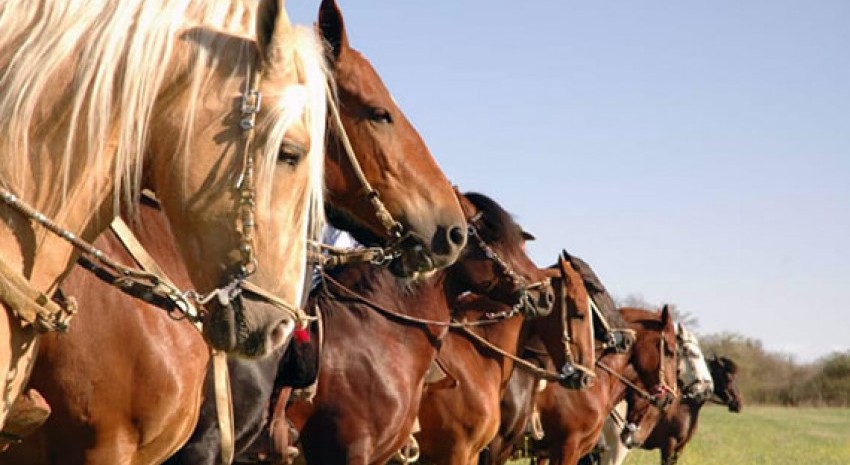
693 152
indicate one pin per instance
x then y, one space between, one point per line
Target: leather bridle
525 303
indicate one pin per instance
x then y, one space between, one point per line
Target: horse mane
597 291
496 224
87 75
367 279
728 364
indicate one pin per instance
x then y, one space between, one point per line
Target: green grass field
762 436
765 436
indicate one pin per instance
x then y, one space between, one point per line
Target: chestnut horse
573 420
106 422
458 423
85 85
374 357
679 424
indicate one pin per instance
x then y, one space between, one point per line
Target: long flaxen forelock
308 101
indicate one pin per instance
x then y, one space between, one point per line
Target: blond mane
81 80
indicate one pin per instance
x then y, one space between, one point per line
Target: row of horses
429 343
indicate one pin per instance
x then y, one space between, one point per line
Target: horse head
426 223
694 377
237 166
568 332
724 372
652 372
494 262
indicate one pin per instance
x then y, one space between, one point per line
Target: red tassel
301 335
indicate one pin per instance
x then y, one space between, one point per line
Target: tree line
767 377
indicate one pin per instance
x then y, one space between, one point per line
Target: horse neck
152 230
613 389
378 285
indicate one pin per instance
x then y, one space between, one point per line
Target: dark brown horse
573 420
125 383
374 362
679 424
458 423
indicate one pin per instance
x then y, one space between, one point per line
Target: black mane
495 224
597 291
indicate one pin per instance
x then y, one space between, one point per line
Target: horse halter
525 304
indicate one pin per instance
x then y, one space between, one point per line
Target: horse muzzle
246 327
627 436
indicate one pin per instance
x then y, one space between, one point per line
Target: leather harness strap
223 406
221 377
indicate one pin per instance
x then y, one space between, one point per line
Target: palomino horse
572 420
679 424
381 336
380 134
86 84
237 179
458 423
157 401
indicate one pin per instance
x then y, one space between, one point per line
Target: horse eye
380 115
290 154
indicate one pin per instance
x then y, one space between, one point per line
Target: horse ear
332 28
273 27
527 236
665 316
562 267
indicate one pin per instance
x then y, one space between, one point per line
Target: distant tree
832 380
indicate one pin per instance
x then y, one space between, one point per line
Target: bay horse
457 424
679 424
176 70
375 355
146 414
573 420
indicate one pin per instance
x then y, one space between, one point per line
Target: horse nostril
457 236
